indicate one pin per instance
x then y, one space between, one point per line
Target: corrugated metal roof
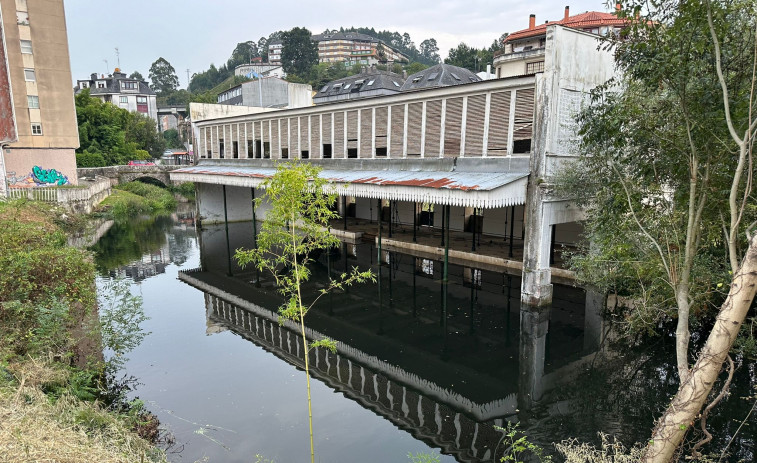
465 181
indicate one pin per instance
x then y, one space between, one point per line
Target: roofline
450 91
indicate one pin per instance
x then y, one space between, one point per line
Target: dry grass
33 428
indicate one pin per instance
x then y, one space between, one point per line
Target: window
433 75
100 84
455 76
141 100
325 88
347 86
124 99
26 47
532 68
129 85
36 129
371 82
29 75
33 101
84 84
417 79
22 17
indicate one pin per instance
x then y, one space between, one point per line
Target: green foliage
423 457
171 137
121 315
136 198
186 189
163 77
517 446
412 68
655 149
141 130
112 133
299 52
471 58
87 159
295 226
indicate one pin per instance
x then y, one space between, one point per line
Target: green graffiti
48 176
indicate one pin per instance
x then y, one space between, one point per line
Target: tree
463 56
295 227
412 68
163 77
243 53
172 139
666 172
299 52
430 50
136 75
142 130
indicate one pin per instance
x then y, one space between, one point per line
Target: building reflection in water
446 376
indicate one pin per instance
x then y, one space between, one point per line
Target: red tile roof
579 21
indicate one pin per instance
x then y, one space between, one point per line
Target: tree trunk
692 394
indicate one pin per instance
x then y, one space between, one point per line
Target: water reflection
143 247
447 377
402 372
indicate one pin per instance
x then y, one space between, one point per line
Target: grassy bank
55 404
136 198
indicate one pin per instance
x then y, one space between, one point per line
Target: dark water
226 379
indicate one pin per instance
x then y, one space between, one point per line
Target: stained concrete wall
238 203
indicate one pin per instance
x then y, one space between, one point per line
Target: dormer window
129 85
455 76
417 79
433 75
100 84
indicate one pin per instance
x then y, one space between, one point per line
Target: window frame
36 128
27 72
32 98
23 43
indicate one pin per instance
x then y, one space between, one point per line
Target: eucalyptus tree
666 173
294 228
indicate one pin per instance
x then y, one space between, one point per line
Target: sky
192 34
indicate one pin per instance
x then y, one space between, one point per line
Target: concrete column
536 286
534 325
441 127
389 131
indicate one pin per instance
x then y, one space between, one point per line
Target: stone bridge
125 174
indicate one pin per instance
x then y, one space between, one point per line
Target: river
226 379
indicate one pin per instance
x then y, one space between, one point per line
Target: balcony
519 55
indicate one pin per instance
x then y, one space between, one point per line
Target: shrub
87 159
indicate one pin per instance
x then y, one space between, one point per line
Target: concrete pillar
536 286
534 325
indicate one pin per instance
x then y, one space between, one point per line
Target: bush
186 189
87 159
159 199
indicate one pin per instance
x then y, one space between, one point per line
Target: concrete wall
20 161
238 203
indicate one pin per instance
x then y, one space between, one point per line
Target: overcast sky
191 34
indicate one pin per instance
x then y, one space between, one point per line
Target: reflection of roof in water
431 413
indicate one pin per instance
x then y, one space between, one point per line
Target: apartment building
131 94
274 51
354 48
524 50
39 92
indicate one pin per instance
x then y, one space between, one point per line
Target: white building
131 94
268 92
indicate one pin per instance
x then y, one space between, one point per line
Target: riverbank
55 403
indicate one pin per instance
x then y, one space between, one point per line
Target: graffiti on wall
37 177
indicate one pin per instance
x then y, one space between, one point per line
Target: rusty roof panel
464 181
